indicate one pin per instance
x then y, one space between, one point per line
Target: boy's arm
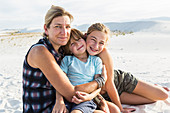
85 96
95 93
93 85
82 96
110 86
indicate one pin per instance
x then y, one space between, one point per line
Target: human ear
45 28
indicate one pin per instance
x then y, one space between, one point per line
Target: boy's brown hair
75 35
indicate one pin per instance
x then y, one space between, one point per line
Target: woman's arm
110 86
59 104
40 57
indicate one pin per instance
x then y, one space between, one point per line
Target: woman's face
96 42
59 30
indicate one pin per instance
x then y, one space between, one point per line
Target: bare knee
163 95
113 108
150 91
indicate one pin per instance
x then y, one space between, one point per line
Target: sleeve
64 64
98 65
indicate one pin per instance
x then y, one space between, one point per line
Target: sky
15 14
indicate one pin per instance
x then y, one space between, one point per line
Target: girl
81 68
119 83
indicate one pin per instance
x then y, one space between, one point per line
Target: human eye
58 26
68 26
102 43
79 39
93 39
72 44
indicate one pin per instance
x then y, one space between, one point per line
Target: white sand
146 55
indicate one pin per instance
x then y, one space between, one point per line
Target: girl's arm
40 57
110 86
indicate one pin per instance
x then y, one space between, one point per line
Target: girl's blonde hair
98 27
75 35
55 11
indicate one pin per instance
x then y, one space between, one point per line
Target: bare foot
101 103
129 109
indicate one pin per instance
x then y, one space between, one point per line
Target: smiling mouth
62 38
80 47
93 49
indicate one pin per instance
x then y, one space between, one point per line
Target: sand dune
146 55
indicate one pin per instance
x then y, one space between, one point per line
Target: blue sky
30 13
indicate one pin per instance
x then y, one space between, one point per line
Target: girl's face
59 30
77 47
96 42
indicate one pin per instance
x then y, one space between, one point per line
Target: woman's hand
81 97
59 107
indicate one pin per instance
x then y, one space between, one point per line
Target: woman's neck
55 46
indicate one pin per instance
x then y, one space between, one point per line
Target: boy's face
96 42
77 47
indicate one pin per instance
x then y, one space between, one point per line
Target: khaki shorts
124 82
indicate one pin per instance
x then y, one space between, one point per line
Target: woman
41 72
130 89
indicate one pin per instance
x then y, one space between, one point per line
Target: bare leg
150 91
113 108
127 98
166 88
144 93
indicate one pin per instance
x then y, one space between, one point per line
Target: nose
63 31
96 46
77 43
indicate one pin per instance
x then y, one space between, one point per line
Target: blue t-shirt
80 72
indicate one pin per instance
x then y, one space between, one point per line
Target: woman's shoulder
38 54
38 49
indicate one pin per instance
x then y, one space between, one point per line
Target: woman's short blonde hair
55 11
98 27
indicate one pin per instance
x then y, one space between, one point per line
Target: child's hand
81 97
